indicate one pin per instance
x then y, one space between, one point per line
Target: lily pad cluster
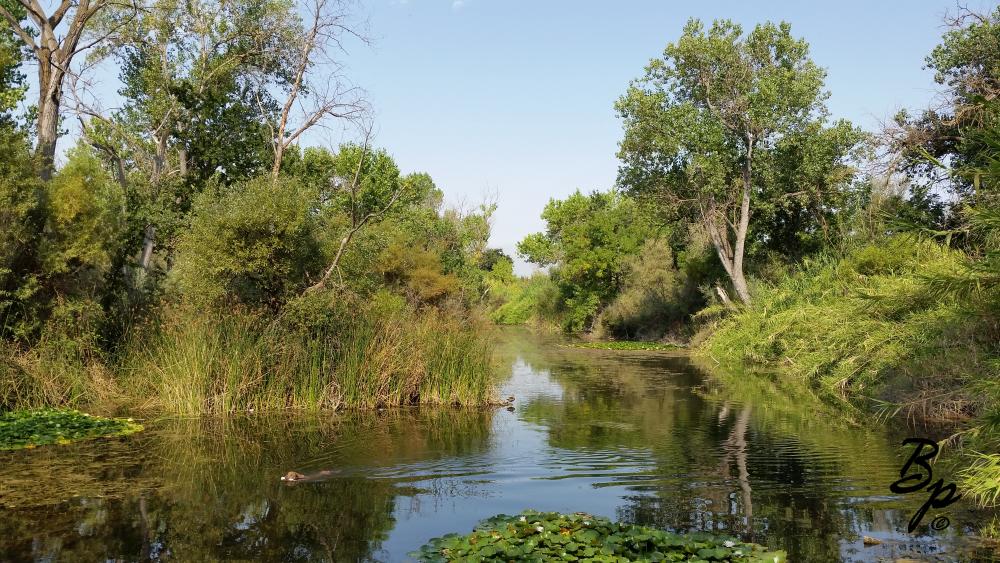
30 428
551 536
624 345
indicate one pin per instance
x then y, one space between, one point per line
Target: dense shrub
254 244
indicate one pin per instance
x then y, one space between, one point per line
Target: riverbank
191 363
645 438
873 331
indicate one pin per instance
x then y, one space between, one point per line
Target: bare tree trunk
49 98
148 244
54 55
731 255
739 281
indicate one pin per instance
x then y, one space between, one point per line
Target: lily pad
31 428
552 536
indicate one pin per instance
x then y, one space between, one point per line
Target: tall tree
312 97
589 240
192 73
944 146
54 53
704 115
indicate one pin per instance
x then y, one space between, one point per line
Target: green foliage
981 479
955 134
870 324
28 429
61 241
22 219
728 130
588 239
551 536
378 180
12 86
84 218
655 297
254 244
528 300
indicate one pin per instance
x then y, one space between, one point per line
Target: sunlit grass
239 362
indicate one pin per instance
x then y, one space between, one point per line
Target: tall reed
239 361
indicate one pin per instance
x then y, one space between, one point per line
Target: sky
514 99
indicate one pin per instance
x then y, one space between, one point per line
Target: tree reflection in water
642 437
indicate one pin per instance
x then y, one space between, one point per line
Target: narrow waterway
644 437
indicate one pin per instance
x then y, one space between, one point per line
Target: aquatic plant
550 536
623 345
27 429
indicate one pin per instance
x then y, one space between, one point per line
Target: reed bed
241 362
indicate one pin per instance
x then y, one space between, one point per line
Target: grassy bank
885 328
192 362
870 324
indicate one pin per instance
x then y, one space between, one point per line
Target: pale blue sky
516 97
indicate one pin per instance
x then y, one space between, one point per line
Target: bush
550 536
253 244
651 301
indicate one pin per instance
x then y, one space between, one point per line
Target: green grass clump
871 324
624 345
981 480
27 429
551 536
367 359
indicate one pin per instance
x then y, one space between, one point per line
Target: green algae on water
624 345
31 428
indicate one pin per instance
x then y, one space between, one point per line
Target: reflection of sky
522 470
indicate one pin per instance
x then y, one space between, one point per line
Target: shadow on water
643 437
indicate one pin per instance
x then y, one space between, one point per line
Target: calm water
643 437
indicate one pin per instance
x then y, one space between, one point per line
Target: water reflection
643 437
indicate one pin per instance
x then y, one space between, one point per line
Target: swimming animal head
292 476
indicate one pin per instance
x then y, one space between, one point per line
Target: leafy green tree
22 219
59 238
588 240
708 114
948 144
192 74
